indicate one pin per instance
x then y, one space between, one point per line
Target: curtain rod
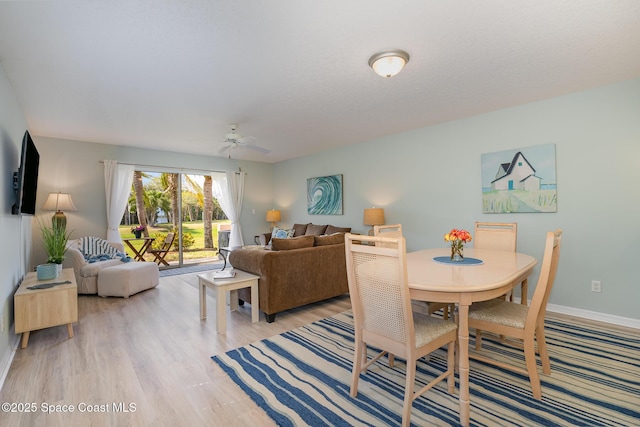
169 168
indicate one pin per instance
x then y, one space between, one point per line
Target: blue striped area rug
302 377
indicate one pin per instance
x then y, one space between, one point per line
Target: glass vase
457 252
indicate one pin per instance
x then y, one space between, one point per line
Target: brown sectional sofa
304 269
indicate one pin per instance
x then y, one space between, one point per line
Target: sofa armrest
249 260
76 258
265 238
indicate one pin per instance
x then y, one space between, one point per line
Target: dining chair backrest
168 241
390 230
496 236
379 291
546 278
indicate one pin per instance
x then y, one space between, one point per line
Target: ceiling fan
234 140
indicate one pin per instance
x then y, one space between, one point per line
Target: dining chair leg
478 339
451 361
392 359
357 367
408 391
542 350
532 368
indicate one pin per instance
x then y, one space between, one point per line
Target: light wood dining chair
519 321
395 231
500 236
383 318
389 230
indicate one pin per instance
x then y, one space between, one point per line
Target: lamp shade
273 215
373 216
59 202
388 64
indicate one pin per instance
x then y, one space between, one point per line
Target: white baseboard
594 315
7 358
591 315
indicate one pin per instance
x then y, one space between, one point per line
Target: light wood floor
152 351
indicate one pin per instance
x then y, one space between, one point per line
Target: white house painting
522 180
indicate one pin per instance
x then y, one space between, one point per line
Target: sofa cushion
333 239
92 269
293 243
315 230
299 229
281 233
333 230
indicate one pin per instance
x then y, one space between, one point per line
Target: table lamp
59 202
273 216
373 216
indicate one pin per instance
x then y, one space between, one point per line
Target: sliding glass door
161 203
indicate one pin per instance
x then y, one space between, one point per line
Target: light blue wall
15 230
430 181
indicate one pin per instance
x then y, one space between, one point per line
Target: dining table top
496 270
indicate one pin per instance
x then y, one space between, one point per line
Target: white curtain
229 190
117 185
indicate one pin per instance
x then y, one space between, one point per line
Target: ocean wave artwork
324 195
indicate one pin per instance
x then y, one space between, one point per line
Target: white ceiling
171 75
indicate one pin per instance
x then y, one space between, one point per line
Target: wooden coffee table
221 286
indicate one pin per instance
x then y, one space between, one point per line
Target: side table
43 308
221 286
138 255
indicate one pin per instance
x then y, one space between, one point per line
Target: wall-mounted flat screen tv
25 181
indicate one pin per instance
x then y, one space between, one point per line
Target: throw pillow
315 230
333 239
299 229
281 233
293 243
333 230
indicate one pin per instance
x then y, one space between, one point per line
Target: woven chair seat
428 328
501 312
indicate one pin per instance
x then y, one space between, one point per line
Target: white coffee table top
240 276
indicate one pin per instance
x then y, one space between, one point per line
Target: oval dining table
494 275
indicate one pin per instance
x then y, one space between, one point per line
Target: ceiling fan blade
256 148
223 149
245 139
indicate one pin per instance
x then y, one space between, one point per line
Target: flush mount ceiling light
389 63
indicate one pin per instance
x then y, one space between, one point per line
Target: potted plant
55 240
137 231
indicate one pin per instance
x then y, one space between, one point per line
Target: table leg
70 330
463 362
255 314
142 251
233 300
136 254
25 339
221 314
203 299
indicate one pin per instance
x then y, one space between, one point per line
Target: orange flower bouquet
457 238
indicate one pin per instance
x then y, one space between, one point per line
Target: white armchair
87 273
